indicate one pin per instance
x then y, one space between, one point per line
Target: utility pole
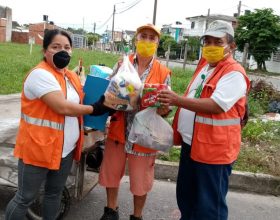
185 55
167 55
245 54
83 25
84 39
94 27
113 24
45 19
239 9
207 19
155 13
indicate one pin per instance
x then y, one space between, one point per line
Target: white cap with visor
219 29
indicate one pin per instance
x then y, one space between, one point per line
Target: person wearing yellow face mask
207 125
146 48
118 149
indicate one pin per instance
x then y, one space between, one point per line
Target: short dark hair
230 39
50 34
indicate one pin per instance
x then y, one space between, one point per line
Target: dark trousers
201 188
30 179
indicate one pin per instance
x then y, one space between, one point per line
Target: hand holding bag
124 88
150 130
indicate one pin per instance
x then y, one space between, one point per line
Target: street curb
10 97
250 182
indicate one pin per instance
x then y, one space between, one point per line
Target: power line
129 7
124 9
101 26
223 11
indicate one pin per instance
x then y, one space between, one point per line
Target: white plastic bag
150 130
124 88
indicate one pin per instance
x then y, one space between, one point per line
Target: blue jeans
30 179
201 188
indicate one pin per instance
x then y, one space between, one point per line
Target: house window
192 25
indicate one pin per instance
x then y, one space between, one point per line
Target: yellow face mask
213 54
146 48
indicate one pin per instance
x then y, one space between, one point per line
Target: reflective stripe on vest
42 122
217 122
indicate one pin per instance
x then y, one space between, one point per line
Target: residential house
5 24
198 24
174 30
108 36
119 36
128 36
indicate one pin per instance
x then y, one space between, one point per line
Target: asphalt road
274 80
161 204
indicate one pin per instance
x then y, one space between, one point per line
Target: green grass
173 155
257 131
260 149
16 61
180 79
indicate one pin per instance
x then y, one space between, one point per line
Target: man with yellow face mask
207 125
118 149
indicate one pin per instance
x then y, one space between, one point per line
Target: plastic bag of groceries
150 130
124 88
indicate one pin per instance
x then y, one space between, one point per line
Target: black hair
230 39
50 34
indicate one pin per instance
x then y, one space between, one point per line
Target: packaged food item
150 92
124 88
93 89
100 71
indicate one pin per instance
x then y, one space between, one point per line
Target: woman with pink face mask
50 133
118 149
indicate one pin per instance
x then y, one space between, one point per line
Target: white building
198 24
174 30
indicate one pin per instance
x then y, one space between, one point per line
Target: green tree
76 31
165 40
193 48
92 38
261 29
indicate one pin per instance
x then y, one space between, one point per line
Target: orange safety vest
41 131
216 137
116 132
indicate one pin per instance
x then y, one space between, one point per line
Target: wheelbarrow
79 183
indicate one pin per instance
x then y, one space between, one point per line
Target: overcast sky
129 13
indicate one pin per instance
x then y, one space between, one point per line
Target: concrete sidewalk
9 117
258 183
